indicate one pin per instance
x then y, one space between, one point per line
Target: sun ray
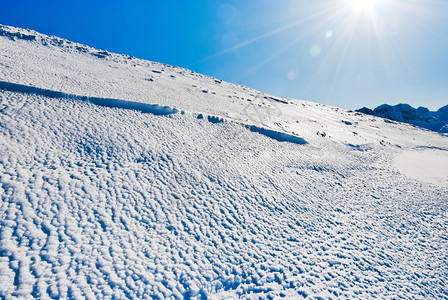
364 5
380 41
336 12
351 33
298 22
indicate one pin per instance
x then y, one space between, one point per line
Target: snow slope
125 178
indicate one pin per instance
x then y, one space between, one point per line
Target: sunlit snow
425 165
125 178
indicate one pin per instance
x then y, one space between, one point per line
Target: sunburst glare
344 45
364 5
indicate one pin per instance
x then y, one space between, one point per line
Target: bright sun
364 5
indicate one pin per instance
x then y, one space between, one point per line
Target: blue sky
347 53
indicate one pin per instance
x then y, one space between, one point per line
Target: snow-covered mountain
422 117
125 178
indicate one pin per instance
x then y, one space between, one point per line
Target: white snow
429 165
124 178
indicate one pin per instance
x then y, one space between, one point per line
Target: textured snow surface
131 179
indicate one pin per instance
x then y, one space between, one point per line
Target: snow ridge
14 33
154 109
276 135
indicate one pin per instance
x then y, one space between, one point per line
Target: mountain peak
421 117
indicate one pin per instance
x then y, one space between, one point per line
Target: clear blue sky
347 53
